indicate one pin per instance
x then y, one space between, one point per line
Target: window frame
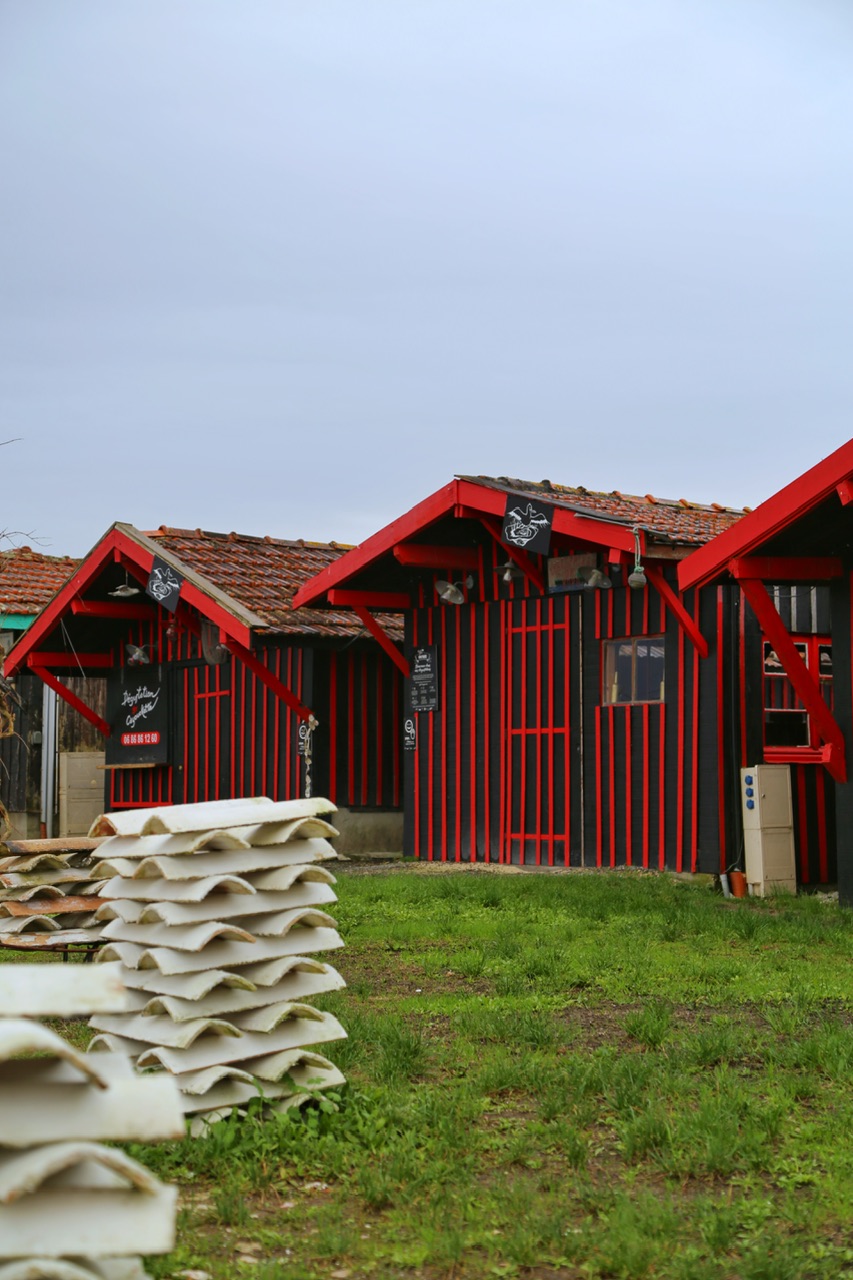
805 752
633 701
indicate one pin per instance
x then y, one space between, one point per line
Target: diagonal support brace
676 608
73 701
807 688
521 558
268 678
375 629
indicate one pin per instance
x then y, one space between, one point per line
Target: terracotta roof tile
672 520
263 573
29 579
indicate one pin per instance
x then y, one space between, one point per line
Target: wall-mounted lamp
451 592
637 578
509 571
137 655
125 589
212 651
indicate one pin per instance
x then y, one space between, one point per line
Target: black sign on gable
527 525
423 684
164 584
138 712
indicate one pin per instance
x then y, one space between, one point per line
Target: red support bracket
73 701
521 558
787 568
268 678
390 600
845 491
123 609
75 660
676 608
380 636
805 685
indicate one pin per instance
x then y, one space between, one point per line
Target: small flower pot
737 884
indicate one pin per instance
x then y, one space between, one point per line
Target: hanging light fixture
125 589
137 655
451 592
509 571
637 578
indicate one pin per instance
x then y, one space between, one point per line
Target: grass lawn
605 1075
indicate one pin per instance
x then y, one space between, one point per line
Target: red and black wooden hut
792 689
565 702
201 625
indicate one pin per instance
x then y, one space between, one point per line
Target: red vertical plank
487 743
721 732
597 595
599 825
297 759
550 636
679 799
184 675
504 730
428 717
567 737
645 610
472 724
646 763
629 808
287 659
610 595
537 726
611 765
445 722
333 728
742 675
199 745
802 823
396 737
694 766
417 752
457 728
378 791
522 724
217 684
662 790
365 731
820 784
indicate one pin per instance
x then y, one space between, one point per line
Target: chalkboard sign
164 584
138 712
410 733
423 685
527 525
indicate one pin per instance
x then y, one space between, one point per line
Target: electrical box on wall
768 829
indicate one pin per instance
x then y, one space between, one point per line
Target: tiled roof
262 574
675 520
29 579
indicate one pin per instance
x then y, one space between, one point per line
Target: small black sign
410 733
164 584
423 685
527 524
138 712
303 737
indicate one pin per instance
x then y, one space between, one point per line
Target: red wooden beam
420 556
124 609
69 660
268 678
380 636
806 686
787 568
391 600
676 608
73 701
521 558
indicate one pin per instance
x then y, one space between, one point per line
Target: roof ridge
168 531
647 499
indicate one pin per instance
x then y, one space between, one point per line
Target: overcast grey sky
284 266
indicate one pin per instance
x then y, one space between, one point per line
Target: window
786 721
633 669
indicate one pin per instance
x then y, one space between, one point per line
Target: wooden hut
791 688
216 688
565 701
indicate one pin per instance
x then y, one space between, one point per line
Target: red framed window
633 670
788 730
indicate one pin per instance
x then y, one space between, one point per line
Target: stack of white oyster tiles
72 1208
216 913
